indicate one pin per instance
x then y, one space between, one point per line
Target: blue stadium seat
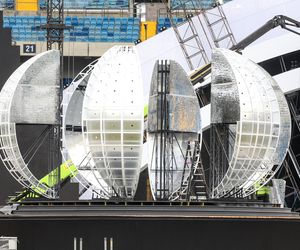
85 29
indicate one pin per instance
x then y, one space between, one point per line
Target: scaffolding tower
55 37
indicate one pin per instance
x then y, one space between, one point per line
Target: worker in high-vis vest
262 192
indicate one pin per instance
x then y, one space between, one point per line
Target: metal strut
162 167
55 36
279 20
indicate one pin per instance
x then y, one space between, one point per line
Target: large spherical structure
113 120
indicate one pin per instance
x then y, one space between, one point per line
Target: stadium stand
92 4
92 28
115 4
77 4
85 28
112 4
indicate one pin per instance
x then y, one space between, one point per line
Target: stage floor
205 225
159 209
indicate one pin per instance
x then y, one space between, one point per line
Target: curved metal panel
263 127
73 143
113 119
34 71
181 112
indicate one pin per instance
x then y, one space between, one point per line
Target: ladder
197 183
194 186
183 191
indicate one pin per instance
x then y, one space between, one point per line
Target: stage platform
159 209
206 225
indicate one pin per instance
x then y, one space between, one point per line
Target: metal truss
55 24
55 36
163 140
187 34
218 27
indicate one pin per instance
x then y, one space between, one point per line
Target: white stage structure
174 124
244 94
29 96
73 141
243 16
113 120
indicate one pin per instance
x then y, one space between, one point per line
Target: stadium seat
85 29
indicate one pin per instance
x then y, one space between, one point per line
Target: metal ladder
197 185
183 192
195 182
